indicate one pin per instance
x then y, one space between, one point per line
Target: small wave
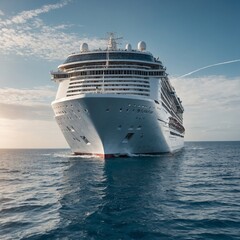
140 155
133 155
149 155
62 155
86 156
196 148
72 155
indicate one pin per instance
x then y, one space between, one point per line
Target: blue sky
36 36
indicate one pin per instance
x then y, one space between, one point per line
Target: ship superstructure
115 102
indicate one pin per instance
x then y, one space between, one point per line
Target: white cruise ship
116 102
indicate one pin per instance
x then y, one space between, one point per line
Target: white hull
112 124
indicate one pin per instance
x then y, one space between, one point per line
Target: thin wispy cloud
34 112
26 15
1 13
211 105
41 94
28 104
215 91
27 34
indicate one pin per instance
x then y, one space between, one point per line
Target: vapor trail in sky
209 66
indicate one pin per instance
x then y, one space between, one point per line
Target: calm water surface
50 194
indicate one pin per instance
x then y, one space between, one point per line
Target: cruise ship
117 102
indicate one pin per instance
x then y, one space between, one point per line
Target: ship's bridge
106 55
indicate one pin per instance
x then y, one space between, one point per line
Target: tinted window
112 55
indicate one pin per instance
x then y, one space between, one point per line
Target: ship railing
103 66
109 91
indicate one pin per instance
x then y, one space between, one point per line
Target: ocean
51 194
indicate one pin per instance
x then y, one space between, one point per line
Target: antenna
112 41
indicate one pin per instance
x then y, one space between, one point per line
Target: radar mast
112 41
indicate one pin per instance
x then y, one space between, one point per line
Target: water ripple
51 194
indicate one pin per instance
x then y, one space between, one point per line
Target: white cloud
27 119
26 34
27 96
1 13
26 15
19 111
216 91
212 107
31 104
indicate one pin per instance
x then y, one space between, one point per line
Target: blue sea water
50 194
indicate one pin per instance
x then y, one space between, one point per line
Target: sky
197 40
